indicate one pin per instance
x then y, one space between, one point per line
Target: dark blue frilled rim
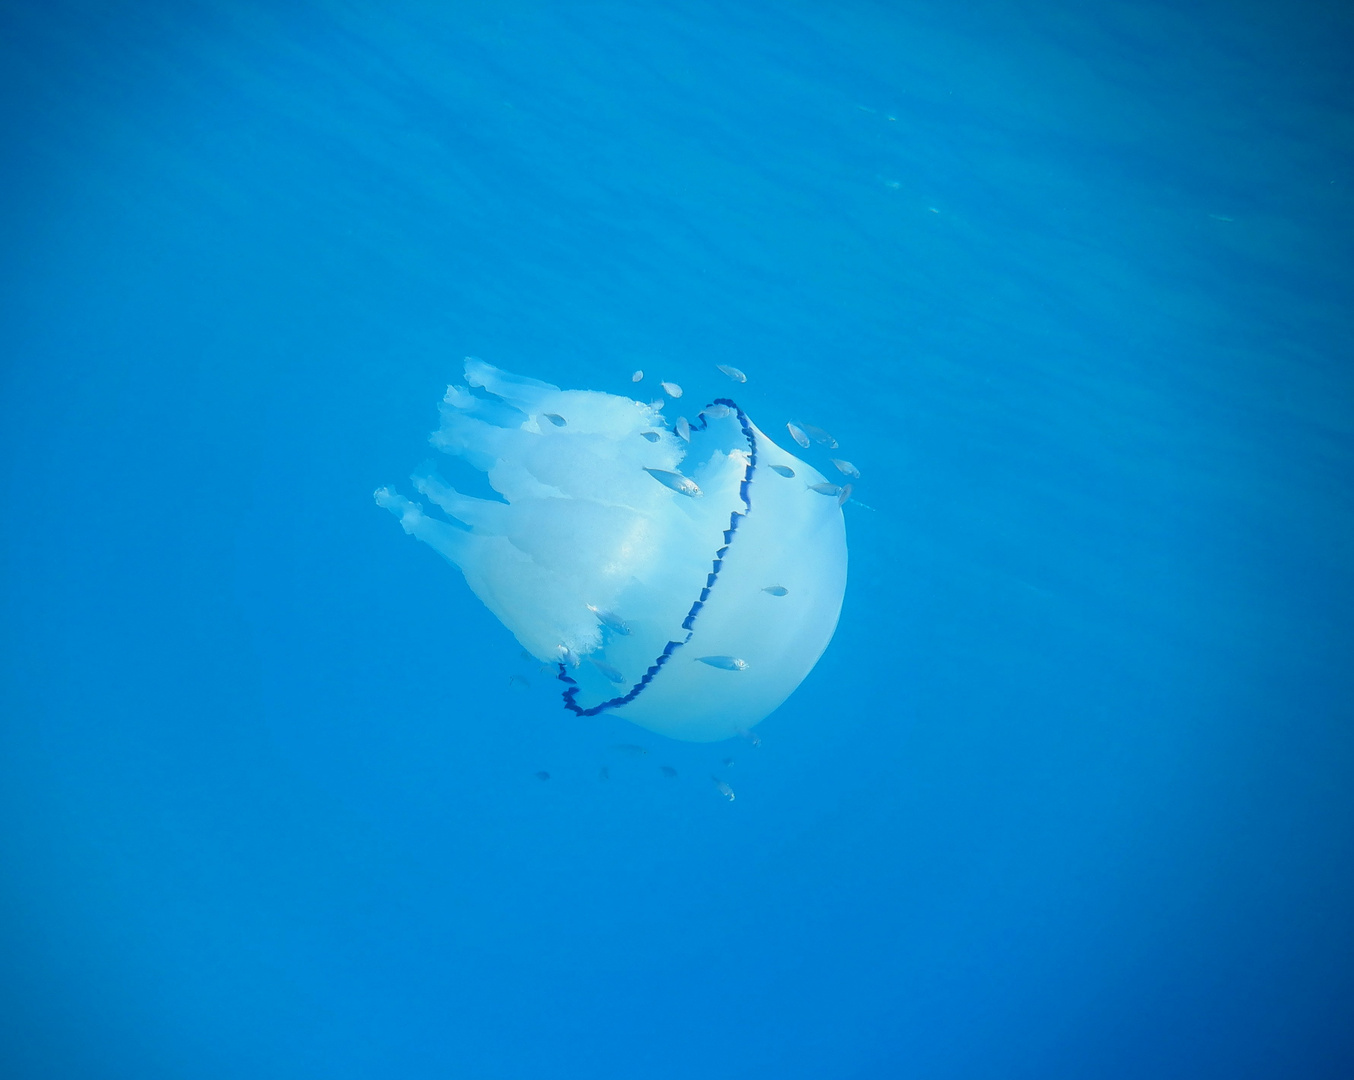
689 623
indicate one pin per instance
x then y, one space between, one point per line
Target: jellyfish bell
590 522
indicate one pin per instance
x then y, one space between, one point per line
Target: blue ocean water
1069 794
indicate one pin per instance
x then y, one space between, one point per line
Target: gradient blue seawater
1068 795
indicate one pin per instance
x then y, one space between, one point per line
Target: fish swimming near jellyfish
671 389
818 435
725 663
679 483
797 433
610 620
732 372
723 788
606 669
576 531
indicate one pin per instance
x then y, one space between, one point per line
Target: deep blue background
1070 793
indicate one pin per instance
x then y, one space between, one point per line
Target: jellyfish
592 554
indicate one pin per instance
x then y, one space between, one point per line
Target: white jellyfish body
585 527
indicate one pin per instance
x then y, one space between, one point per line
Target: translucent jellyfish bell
707 576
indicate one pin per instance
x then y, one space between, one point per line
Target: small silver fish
846 494
542 775
668 771
607 670
631 749
679 483
717 411
820 436
845 468
751 737
518 680
671 389
826 489
683 429
567 655
657 404
798 435
652 436
614 622
728 762
725 663
554 418
732 372
784 470
723 788
638 376
776 590
603 773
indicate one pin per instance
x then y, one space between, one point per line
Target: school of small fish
668 772
804 436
